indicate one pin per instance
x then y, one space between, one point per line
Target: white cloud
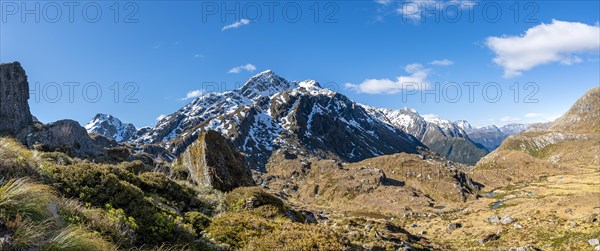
506 119
443 62
247 67
416 81
430 117
533 115
384 2
161 117
236 25
193 94
198 56
558 41
412 10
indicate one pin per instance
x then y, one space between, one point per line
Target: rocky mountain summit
269 113
111 127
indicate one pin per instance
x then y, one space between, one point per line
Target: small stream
499 203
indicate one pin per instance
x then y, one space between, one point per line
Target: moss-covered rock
215 162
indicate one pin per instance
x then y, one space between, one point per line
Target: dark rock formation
214 161
64 136
14 93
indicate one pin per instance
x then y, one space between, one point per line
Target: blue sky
160 51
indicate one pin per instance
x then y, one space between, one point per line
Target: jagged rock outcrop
14 93
64 136
215 162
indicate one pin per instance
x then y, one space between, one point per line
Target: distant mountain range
269 112
490 137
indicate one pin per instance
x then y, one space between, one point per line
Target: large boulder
214 161
14 93
65 136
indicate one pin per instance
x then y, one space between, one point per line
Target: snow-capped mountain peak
309 84
465 125
111 127
265 84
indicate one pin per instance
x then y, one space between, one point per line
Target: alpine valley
290 165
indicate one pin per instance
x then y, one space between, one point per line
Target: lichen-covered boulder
214 161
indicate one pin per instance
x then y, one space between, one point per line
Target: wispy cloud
198 56
417 80
533 115
247 67
193 94
236 25
558 41
443 62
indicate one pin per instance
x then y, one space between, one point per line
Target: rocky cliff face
14 93
215 162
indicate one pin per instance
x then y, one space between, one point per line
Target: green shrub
250 198
134 167
212 198
57 158
112 223
237 228
182 197
198 221
101 185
